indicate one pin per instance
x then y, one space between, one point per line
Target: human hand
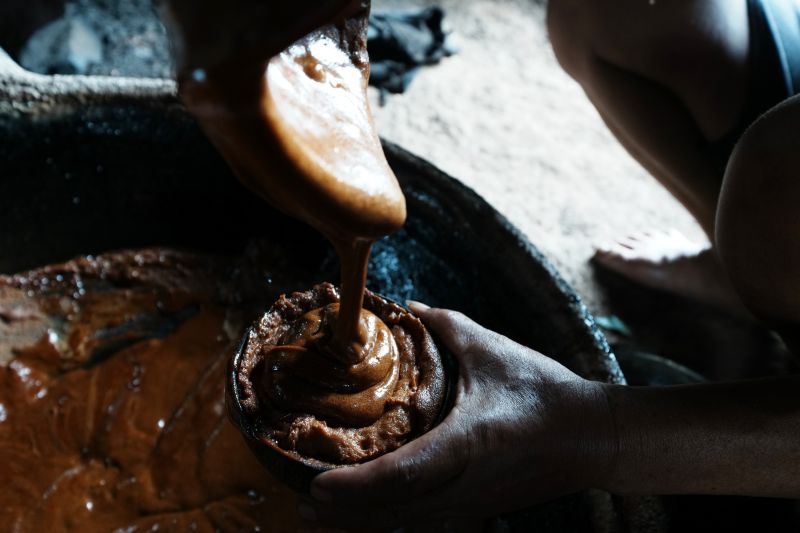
523 429
206 34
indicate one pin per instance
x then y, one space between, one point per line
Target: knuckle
450 318
407 475
456 436
461 325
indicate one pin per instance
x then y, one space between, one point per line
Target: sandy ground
505 119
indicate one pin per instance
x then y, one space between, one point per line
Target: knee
583 31
758 218
567 22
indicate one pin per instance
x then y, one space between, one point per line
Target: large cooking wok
92 164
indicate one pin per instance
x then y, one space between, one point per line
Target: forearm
734 439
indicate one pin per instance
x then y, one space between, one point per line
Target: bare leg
758 224
668 78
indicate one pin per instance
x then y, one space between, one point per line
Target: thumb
458 333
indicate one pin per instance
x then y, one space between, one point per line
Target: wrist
630 417
599 437
585 441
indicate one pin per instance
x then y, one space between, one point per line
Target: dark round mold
293 469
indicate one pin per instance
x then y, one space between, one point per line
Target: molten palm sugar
112 398
333 381
317 406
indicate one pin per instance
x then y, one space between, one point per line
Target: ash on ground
101 37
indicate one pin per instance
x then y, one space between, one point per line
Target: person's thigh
758 220
697 49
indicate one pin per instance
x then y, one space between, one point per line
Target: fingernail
307 512
417 307
321 495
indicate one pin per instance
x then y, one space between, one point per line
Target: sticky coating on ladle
298 130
